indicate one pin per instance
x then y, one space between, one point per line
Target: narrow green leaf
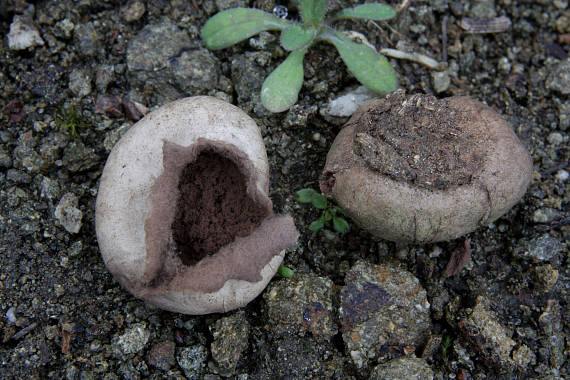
319 201
281 88
297 37
305 195
317 225
234 25
371 11
340 224
313 11
285 271
370 68
328 215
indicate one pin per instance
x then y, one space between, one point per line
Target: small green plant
285 271
70 120
445 346
330 213
281 88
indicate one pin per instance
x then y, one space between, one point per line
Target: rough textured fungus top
420 140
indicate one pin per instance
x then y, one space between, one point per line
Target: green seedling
285 272
70 120
446 343
281 88
330 213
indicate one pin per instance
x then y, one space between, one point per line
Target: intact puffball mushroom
183 216
418 169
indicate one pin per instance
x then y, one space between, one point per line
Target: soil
62 315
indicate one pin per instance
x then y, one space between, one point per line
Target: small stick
416 57
24 331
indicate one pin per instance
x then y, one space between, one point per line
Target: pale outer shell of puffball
397 211
136 161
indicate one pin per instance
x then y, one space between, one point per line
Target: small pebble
23 34
562 175
11 314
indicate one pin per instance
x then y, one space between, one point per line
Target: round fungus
183 216
418 169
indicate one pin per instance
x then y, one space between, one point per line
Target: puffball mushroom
183 216
418 169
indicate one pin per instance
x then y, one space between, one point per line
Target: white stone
345 105
23 35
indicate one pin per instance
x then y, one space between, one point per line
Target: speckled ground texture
356 308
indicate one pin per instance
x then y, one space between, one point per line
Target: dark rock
384 309
301 305
230 340
161 355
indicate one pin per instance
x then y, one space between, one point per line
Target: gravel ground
74 75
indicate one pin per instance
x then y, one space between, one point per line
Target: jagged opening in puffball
213 206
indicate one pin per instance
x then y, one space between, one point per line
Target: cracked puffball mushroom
183 217
418 169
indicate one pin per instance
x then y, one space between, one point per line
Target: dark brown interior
213 207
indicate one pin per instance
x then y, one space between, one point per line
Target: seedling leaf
305 195
297 37
234 25
285 271
281 88
319 201
328 215
317 225
340 224
313 11
371 11
370 68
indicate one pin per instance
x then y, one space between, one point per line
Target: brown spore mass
420 140
213 207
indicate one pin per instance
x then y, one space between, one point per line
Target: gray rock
27 158
64 29
152 56
5 159
80 83
49 188
18 176
403 368
382 306
23 34
133 10
483 9
196 71
192 359
67 213
77 157
559 78
346 104
541 248
487 336
132 341
87 39
441 81
104 76
230 340
300 305
248 76
546 215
